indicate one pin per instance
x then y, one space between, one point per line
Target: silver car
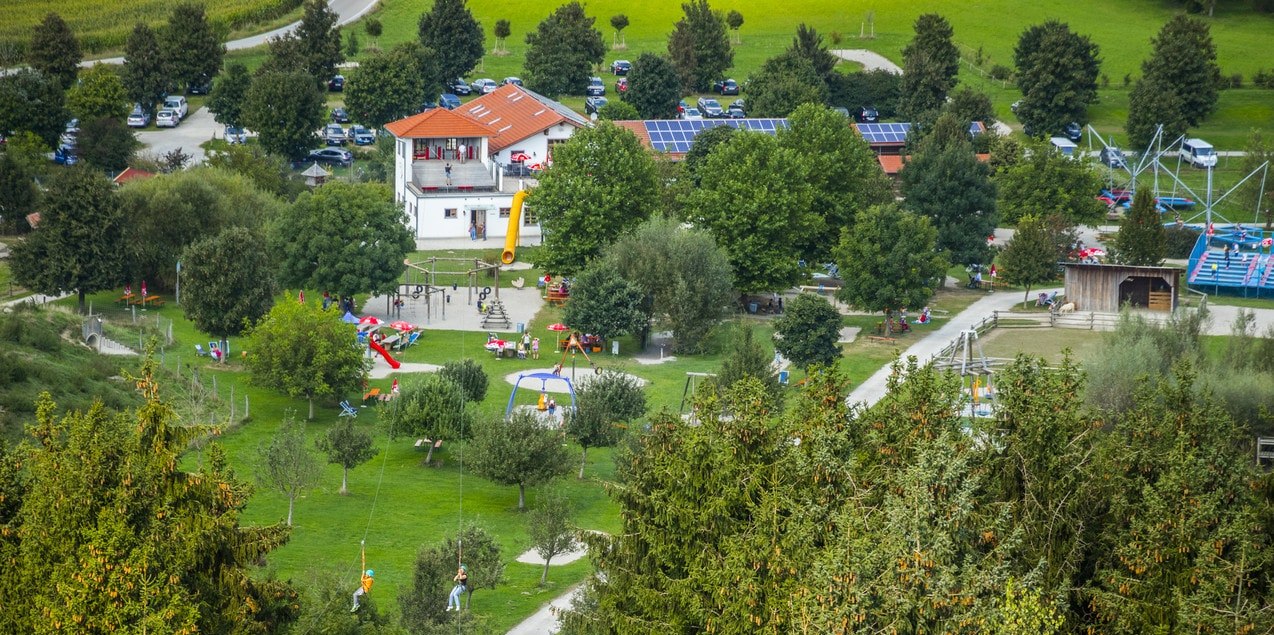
167 119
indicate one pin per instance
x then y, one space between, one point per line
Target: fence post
214 385
1092 321
232 404
245 407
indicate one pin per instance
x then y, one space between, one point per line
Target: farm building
1107 288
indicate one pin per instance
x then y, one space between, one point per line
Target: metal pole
178 290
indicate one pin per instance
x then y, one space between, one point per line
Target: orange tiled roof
131 174
438 123
892 163
515 113
638 128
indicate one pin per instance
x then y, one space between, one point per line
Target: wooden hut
1107 288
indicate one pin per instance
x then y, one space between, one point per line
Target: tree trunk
80 292
311 399
429 456
544 577
889 323
1026 298
291 503
521 496
344 480
582 462
225 346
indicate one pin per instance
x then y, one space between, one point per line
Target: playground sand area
461 313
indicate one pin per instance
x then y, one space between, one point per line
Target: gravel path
870 60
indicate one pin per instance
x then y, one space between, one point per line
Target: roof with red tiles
515 113
439 123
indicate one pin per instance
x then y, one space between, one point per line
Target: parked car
338 156
738 103
596 87
867 114
201 86
484 86
340 115
167 119
1112 158
710 107
1073 131
138 118
594 104
620 67
73 127
334 134
621 85
460 87
65 155
726 87
681 107
449 101
1198 153
336 84
235 136
735 113
362 136
692 114
1015 105
516 81
429 105
178 105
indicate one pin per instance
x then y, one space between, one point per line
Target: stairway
496 315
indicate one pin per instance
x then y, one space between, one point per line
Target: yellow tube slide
511 237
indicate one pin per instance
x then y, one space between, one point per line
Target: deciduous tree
477 550
1057 72
784 82
18 195
502 32
604 303
451 31
99 94
930 64
77 245
1257 151
1030 257
1184 60
54 50
889 261
550 529
346 446
107 144
562 50
286 463
807 331
653 87
946 183
602 183
284 109
229 92
32 101
389 86
147 74
314 48
518 450
699 47
1152 103
192 45
734 20
604 407
1045 182
229 282
304 351
430 406
1141 241
619 22
343 238
618 110
469 375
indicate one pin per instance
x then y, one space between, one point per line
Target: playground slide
515 223
393 363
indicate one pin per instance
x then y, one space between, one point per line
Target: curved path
870 60
346 10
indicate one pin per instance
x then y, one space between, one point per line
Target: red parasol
143 288
519 157
395 388
300 296
371 319
558 327
1091 252
402 326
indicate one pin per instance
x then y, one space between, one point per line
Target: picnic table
148 300
125 299
389 341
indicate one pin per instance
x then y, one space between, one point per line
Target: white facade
535 146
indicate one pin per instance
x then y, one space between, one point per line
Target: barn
1107 288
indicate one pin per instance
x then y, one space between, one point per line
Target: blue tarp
349 318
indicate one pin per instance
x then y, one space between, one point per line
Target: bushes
1179 241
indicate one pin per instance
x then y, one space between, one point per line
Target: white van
1065 146
1198 153
177 104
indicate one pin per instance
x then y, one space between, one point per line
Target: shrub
1000 72
1127 80
1179 241
1236 81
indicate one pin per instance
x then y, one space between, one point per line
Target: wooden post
231 403
245 406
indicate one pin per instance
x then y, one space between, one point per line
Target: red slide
393 363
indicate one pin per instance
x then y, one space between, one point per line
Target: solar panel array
677 135
878 133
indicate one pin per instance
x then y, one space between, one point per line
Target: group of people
460 580
527 347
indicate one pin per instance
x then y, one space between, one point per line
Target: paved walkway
870 60
545 620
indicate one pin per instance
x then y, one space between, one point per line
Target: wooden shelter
1107 288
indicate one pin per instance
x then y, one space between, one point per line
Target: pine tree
930 64
451 31
1141 240
54 50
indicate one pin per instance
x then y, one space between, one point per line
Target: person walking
447 169
535 348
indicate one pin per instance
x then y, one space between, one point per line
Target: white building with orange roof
456 171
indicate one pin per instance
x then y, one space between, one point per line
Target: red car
621 85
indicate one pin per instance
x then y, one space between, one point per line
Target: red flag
300 296
395 388
993 272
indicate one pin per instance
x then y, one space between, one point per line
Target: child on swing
462 584
365 586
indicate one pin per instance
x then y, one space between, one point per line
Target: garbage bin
521 327
783 376
614 347
752 307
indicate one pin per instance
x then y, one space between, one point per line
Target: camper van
1065 146
1198 153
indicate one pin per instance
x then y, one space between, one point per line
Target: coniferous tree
454 35
747 357
930 64
191 44
1057 72
1141 239
562 50
54 50
699 47
18 195
146 70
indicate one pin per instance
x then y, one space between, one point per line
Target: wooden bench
426 443
371 394
556 297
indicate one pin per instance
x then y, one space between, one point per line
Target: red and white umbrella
519 157
143 289
558 327
370 319
402 326
1091 252
395 387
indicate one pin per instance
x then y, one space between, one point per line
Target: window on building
449 212
528 216
504 212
